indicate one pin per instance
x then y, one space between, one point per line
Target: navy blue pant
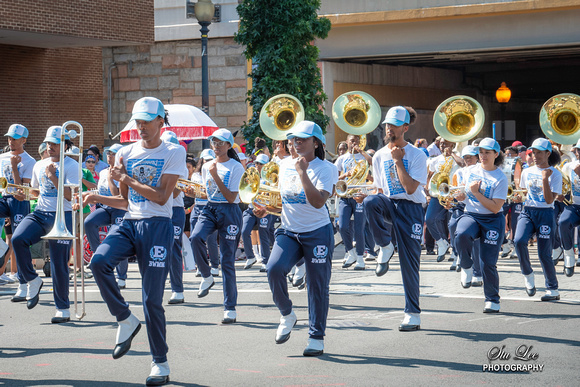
348 207
176 261
516 210
542 222
15 210
265 232
406 219
105 216
317 248
31 229
212 244
475 254
226 219
569 220
436 218
369 240
489 228
151 240
558 209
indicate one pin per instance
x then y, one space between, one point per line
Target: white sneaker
477 281
127 328
7 278
159 374
557 254
386 253
121 283
491 307
569 258
299 274
205 285
215 272
61 316
350 259
285 328
229 317
13 277
263 268
505 249
360 263
411 322
22 290
177 298
466 277
33 288
442 248
530 283
551 295
250 262
315 347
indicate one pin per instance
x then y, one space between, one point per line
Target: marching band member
178 220
222 213
205 156
40 222
399 171
570 218
544 183
306 232
348 207
265 227
436 215
147 171
485 192
105 216
16 166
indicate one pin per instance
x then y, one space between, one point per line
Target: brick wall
44 87
171 71
113 20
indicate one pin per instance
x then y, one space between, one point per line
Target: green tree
279 38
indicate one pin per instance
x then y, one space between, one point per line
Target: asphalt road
363 346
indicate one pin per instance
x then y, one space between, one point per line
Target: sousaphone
358 113
280 114
560 118
458 118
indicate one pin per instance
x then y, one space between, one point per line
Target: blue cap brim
394 122
144 116
221 138
53 140
13 135
540 148
299 135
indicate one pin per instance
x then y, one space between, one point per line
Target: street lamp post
204 12
503 95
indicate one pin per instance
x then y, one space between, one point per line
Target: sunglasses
90 162
217 143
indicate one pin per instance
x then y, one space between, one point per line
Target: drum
512 169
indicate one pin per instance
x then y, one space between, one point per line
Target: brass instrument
251 190
4 184
59 230
358 177
560 118
199 190
280 114
511 193
566 184
358 113
458 118
344 190
448 192
270 173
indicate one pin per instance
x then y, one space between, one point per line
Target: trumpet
199 190
251 190
344 190
448 192
512 192
4 184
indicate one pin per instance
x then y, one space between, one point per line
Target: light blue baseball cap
17 131
397 116
147 109
53 135
115 148
262 158
470 150
169 136
223 135
489 144
306 129
541 144
207 154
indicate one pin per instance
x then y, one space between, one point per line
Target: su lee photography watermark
523 358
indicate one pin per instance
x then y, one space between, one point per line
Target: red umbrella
186 121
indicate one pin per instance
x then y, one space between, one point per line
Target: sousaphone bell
458 118
560 118
358 113
280 114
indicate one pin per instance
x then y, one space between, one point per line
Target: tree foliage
279 38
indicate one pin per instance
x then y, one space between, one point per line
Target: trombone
59 230
5 185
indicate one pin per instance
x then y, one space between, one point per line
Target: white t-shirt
178 201
494 185
568 170
433 150
532 181
346 162
297 214
230 173
48 192
25 167
103 183
147 166
386 177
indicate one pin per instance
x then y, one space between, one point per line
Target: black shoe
569 271
453 267
382 269
490 310
430 252
176 301
409 327
440 258
578 262
312 352
347 265
124 347
555 261
450 259
157 380
59 320
531 292
18 299
550 298
205 292
477 283
299 281
34 300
